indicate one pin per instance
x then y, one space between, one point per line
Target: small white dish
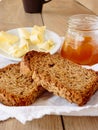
48 35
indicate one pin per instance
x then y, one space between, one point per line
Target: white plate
48 35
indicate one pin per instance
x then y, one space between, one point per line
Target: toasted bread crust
17 89
61 76
73 96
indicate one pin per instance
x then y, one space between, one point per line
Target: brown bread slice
61 76
17 89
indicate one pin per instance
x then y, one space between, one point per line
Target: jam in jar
81 39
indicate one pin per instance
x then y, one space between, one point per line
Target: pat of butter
19 50
34 39
46 46
37 34
7 38
23 33
5 47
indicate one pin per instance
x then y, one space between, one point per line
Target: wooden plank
12 15
92 5
56 13
45 123
80 123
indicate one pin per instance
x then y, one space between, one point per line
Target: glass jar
81 39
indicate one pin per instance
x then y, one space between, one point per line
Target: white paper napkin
47 105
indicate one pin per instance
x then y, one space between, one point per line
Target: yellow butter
19 50
8 38
23 33
37 34
5 47
38 29
46 46
17 47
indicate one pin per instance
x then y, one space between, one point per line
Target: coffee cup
34 6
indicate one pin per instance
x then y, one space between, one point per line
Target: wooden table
54 16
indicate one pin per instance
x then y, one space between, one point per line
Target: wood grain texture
12 15
45 123
56 13
92 5
80 123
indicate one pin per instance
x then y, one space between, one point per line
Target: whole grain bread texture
61 76
17 89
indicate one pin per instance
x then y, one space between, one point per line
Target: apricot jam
81 42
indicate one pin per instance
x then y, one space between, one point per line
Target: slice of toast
61 76
17 89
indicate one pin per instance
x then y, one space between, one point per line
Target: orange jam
81 39
85 52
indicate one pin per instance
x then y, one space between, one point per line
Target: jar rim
83 22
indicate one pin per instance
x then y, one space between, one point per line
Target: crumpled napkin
48 104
